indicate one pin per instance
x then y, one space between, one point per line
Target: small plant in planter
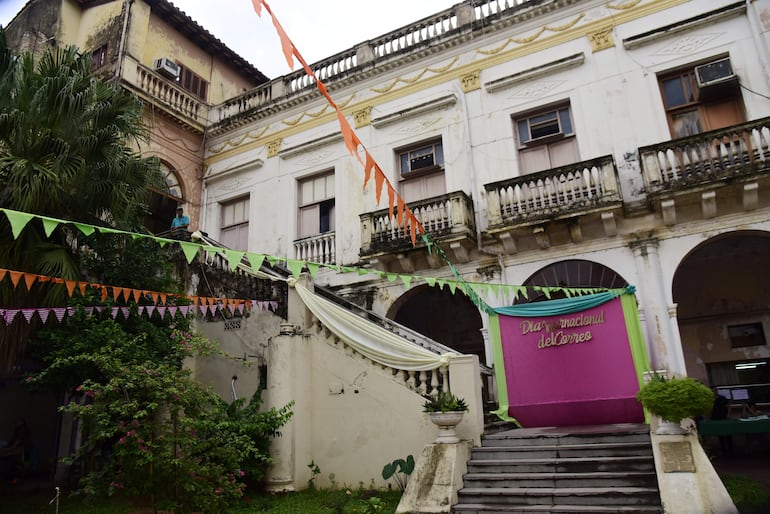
675 399
446 411
445 401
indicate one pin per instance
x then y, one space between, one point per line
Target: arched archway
450 319
572 273
163 203
722 292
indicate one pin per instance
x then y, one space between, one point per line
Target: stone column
663 344
288 379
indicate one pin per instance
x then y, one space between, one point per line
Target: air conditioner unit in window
167 67
713 73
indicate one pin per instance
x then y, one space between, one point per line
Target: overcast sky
318 28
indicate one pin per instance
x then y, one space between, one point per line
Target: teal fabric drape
563 305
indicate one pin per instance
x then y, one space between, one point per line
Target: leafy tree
68 149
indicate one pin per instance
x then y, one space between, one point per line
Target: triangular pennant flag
114 312
391 277
2 274
87 230
116 292
241 308
379 180
140 310
59 312
407 280
82 286
162 311
154 295
172 310
44 313
368 166
313 267
136 294
202 308
295 266
124 311
28 313
10 314
49 226
150 310
15 277
363 271
18 221
190 250
164 298
272 259
257 6
347 269
234 257
273 306
70 285
126 294
441 283
391 200
495 289
29 280
430 281
256 260
452 286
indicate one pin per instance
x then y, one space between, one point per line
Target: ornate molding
538 71
601 39
363 117
410 112
306 146
471 82
274 147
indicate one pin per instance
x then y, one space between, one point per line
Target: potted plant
675 399
445 411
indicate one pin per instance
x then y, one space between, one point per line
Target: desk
734 426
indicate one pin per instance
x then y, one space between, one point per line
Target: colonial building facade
553 143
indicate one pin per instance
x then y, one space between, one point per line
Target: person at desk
181 223
750 410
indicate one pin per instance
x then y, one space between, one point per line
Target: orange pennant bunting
116 292
70 286
400 215
391 200
104 292
29 279
2 274
15 277
126 294
370 164
257 7
379 179
164 298
82 286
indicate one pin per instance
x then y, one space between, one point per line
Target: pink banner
571 369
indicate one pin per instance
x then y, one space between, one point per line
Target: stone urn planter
446 422
674 400
445 411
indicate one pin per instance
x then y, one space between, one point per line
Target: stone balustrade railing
733 151
152 86
321 248
574 187
443 215
422 34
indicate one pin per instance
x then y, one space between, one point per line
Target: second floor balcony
709 169
565 194
448 219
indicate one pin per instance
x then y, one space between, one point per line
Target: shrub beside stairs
569 470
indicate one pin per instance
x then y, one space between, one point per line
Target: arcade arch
163 203
722 292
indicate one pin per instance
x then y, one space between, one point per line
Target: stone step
479 508
559 465
525 438
561 496
624 449
605 479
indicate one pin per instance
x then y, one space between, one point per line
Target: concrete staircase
562 470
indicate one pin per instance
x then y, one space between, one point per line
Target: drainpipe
122 42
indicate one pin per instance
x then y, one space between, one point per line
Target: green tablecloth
734 426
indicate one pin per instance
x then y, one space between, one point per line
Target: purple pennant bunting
241 307
274 306
162 312
125 311
10 314
28 313
150 310
44 314
172 310
99 309
114 312
140 309
59 312
70 311
202 309
255 304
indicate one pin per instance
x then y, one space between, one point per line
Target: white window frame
234 222
315 203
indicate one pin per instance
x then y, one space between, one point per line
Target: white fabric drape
375 342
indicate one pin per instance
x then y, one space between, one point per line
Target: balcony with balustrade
321 248
705 172
567 197
448 219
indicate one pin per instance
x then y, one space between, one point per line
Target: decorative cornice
736 9
538 71
363 117
306 146
248 166
410 112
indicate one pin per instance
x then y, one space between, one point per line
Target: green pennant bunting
407 280
85 229
18 221
452 286
430 281
313 268
273 260
105 230
546 291
363 271
295 266
347 269
391 277
190 250
49 225
234 258
441 283
256 260
495 289
161 242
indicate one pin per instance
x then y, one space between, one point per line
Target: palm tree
68 149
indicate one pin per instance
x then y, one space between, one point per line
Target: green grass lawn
345 501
